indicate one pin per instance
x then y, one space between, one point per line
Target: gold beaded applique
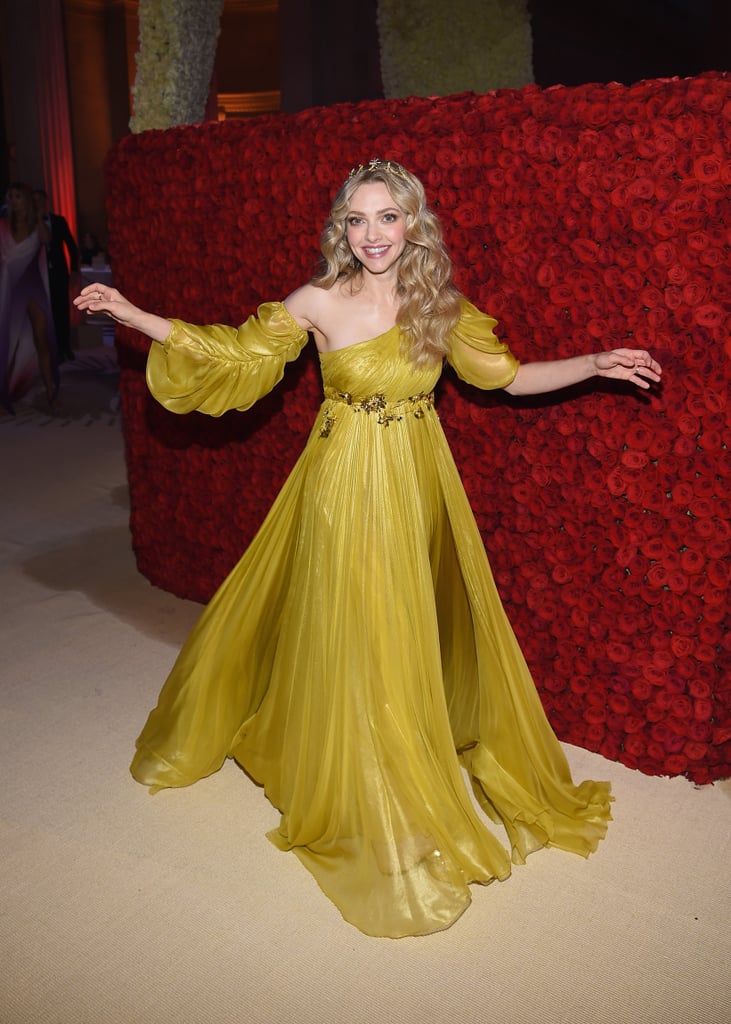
385 412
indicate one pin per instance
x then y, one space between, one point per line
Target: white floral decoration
177 50
433 48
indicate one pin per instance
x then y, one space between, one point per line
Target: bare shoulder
307 305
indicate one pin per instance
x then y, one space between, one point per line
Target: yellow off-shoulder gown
357 661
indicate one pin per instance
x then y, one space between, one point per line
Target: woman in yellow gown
357 662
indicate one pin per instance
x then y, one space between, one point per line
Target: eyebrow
387 209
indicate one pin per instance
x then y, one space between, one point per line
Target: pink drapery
53 110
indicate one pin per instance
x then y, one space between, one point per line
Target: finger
97 293
650 370
94 298
644 376
651 363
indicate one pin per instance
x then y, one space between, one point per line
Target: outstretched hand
100 298
629 364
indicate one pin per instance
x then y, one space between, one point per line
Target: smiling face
375 228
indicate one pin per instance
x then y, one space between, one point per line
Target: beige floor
121 908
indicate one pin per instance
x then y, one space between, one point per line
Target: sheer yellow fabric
217 368
358 657
477 355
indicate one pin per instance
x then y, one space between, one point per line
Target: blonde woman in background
27 338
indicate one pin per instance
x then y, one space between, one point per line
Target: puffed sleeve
477 355
216 368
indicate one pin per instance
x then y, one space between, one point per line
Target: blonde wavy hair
429 302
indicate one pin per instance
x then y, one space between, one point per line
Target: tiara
378 165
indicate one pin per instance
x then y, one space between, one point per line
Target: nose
373 232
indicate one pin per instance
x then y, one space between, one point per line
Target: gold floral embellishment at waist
385 412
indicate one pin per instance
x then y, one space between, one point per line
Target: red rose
635 745
682 646
717 571
707 168
710 315
676 764
695 751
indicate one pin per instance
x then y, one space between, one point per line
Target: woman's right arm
209 368
99 298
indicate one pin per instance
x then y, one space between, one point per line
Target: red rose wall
581 218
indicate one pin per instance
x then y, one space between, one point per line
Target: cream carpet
121 908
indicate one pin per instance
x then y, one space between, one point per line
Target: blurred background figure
62 271
92 254
27 335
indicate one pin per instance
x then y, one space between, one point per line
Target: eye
354 221
390 217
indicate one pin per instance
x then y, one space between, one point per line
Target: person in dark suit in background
59 273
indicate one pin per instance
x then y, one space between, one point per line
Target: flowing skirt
358 664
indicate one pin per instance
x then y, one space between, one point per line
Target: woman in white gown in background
27 338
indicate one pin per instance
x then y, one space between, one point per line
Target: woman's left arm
628 364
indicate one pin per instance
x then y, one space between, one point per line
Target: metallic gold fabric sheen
358 658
